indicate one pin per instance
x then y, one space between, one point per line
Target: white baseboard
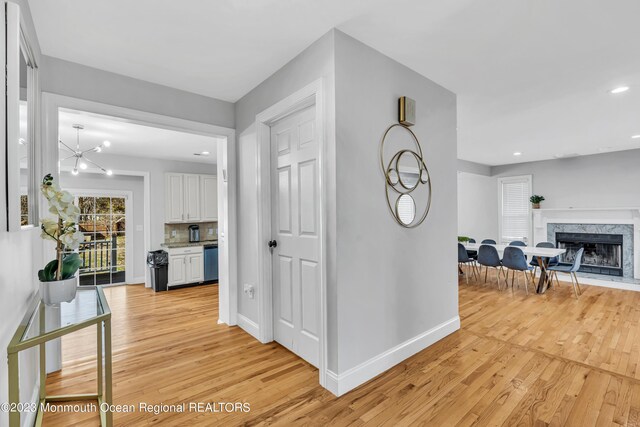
249 326
604 283
136 280
340 384
592 281
29 418
332 382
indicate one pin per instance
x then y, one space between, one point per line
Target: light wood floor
539 360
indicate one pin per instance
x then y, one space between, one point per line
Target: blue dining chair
553 261
513 259
518 243
464 259
571 271
488 242
488 256
472 254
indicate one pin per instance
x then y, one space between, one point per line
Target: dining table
542 254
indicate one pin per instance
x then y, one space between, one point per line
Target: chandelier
80 156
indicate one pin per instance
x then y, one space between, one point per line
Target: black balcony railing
97 255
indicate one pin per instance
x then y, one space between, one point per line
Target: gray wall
386 284
393 284
602 180
97 182
473 167
313 63
477 206
79 81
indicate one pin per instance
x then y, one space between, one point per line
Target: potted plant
535 200
58 281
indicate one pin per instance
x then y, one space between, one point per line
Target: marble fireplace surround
590 220
626 230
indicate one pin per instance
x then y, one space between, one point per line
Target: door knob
272 244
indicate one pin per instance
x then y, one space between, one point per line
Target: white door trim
311 94
128 216
53 102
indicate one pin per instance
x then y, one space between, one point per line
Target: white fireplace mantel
617 215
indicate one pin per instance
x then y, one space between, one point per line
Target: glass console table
89 307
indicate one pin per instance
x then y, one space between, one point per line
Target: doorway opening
56 107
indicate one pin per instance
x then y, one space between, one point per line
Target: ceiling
131 139
532 76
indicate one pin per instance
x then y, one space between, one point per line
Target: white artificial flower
71 239
50 226
66 197
66 211
70 213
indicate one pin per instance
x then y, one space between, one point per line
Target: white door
174 197
295 210
177 270
191 197
209 189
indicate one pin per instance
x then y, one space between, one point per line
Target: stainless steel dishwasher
211 263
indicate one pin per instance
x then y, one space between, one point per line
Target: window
24 210
514 208
102 221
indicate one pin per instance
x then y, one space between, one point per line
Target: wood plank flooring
538 360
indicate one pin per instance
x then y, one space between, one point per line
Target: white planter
58 291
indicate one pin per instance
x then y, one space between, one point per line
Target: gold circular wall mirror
405 172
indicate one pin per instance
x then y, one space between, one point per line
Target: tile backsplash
208 231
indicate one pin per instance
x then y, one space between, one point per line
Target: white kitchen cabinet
209 198
190 198
177 273
195 268
186 265
174 197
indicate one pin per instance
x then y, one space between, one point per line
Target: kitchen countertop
187 244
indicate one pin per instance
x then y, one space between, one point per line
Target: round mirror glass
406 209
424 176
408 169
392 176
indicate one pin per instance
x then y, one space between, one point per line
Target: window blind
515 210
406 210
406 207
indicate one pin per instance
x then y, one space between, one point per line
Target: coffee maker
194 233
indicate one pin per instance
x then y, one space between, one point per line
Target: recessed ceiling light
109 172
205 153
106 143
517 153
619 89
636 136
